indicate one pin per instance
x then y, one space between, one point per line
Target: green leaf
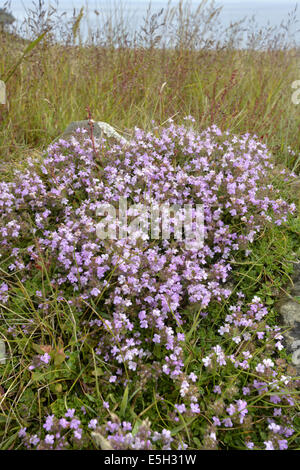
97 372
6 444
37 348
90 397
136 427
124 402
59 357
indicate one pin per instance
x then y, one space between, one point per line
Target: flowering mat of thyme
141 343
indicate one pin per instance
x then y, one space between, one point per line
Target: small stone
296 358
73 126
100 129
2 352
2 92
289 310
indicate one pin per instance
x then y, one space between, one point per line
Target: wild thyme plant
127 310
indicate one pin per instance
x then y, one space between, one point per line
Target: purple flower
22 432
180 408
216 421
45 358
193 377
195 408
260 368
283 444
34 440
70 413
75 423
48 423
49 439
269 445
250 445
231 410
78 433
227 423
64 423
93 424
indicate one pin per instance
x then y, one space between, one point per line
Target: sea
264 13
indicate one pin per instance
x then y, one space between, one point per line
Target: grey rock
2 92
289 310
100 129
5 18
295 347
296 281
2 352
72 128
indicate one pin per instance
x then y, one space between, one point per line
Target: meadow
147 344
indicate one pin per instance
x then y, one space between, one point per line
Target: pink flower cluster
59 433
48 221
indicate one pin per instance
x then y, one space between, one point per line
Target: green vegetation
130 82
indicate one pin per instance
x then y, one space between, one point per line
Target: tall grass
174 64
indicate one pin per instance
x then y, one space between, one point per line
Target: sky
18 3
271 2
234 10
267 13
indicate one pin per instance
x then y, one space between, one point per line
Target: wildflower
49 423
193 377
227 423
195 408
250 445
95 292
64 423
269 445
34 440
231 410
216 421
22 432
180 408
45 358
70 413
206 361
93 424
260 368
78 433
49 439
75 423
268 363
283 444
